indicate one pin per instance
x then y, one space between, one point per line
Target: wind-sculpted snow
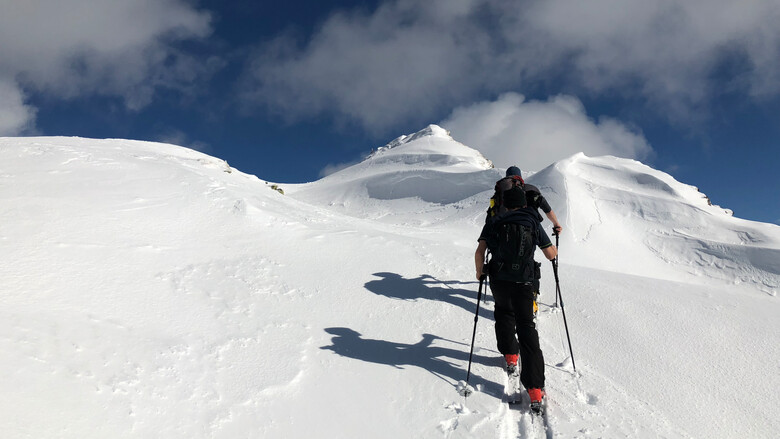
624 216
430 186
433 144
153 291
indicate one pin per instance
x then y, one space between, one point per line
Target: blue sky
290 90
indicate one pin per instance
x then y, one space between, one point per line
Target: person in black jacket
514 296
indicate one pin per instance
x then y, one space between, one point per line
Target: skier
512 238
534 198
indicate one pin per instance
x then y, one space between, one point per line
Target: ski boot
511 363
537 400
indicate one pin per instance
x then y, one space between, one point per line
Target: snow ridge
671 228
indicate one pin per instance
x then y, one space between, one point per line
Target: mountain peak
429 166
429 131
432 145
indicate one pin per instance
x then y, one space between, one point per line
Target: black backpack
497 202
511 244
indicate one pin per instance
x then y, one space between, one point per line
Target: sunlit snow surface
153 291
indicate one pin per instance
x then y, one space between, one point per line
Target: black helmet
513 170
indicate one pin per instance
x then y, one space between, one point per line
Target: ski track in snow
573 411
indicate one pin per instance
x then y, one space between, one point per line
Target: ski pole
563 310
474 334
555 263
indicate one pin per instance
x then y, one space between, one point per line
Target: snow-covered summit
431 130
427 166
433 147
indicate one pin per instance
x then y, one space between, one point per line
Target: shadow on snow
428 287
442 362
448 364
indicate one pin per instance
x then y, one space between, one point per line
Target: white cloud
177 137
15 117
69 48
533 134
408 61
332 168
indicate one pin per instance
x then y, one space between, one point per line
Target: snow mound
430 149
407 174
624 216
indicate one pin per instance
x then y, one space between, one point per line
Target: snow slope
153 291
671 229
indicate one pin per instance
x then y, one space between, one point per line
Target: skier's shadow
445 363
428 287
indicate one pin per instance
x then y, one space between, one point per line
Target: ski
513 394
534 414
539 421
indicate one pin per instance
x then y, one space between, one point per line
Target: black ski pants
516 330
